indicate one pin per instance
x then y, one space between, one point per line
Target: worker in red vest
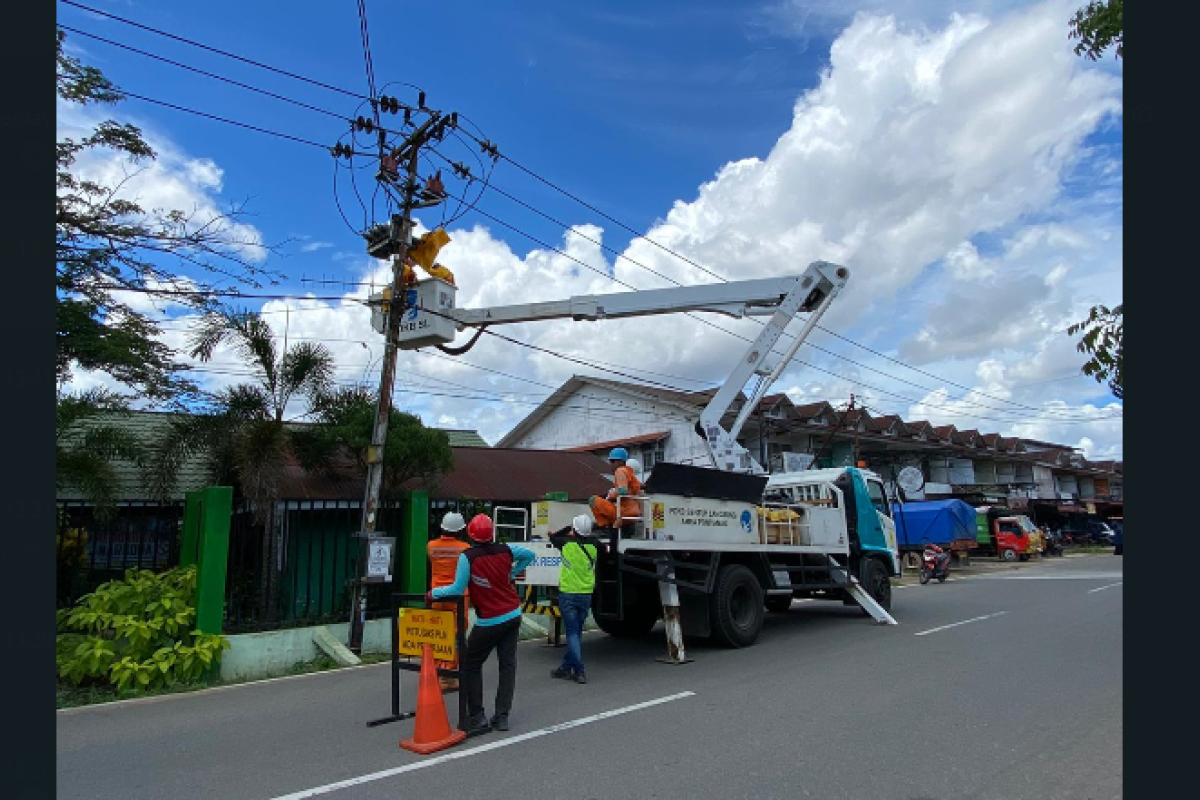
490 568
625 485
443 553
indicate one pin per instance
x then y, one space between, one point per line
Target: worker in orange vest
625 485
443 553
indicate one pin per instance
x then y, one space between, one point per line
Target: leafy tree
1098 25
105 242
345 420
88 437
1103 335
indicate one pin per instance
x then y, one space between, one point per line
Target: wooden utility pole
399 241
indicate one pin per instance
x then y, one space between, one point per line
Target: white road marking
483 748
964 622
1102 588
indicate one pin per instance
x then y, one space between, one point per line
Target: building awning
626 442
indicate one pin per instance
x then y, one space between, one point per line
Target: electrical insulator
421 100
407 115
453 119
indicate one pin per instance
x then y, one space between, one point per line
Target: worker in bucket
576 581
490 568
625 486
443 553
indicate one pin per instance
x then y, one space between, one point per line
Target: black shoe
500 722
559 672
477 726
580 678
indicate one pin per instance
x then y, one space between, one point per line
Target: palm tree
86 446
242 434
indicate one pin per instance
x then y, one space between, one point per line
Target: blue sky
628 111
636 110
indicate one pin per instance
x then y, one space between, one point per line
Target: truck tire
631 627
778 604
1008 554
873 576
736 607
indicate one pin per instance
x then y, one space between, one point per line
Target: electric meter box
418 327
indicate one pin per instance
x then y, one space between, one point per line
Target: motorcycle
935 563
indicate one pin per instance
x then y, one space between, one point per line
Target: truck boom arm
781 298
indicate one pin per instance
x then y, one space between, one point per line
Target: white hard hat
634 465
453 522
582 524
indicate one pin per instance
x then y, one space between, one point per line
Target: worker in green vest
576 580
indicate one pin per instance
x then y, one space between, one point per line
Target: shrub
137 633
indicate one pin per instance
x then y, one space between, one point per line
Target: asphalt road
1003 684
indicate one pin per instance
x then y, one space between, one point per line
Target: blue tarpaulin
938 522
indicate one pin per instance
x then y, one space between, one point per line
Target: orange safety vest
625 478
443 553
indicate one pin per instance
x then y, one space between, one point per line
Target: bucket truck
712 547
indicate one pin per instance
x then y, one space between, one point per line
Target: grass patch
67 696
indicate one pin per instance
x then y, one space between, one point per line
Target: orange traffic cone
432 731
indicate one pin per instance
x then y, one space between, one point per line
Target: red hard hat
480 528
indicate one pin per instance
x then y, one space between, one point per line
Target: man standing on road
489 567
576 580
443 553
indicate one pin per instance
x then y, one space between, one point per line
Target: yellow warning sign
658 512
543 513
421 626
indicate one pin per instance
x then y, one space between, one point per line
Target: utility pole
396 243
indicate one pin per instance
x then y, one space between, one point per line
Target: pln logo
411 306
746 522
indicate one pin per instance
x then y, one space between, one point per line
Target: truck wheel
736 607
1023 557
778 604
1008 554
631 627
874 578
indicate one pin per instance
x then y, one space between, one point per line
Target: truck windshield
1026 524
878 498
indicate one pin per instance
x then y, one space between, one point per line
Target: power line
226 120
211 49
206 73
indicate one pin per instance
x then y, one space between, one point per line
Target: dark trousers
482 640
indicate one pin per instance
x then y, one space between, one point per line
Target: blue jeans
574 608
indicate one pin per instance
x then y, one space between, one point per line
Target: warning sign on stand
421 626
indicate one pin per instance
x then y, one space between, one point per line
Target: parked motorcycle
935 563
1054 543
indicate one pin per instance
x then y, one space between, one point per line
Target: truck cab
1002 533
862 511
